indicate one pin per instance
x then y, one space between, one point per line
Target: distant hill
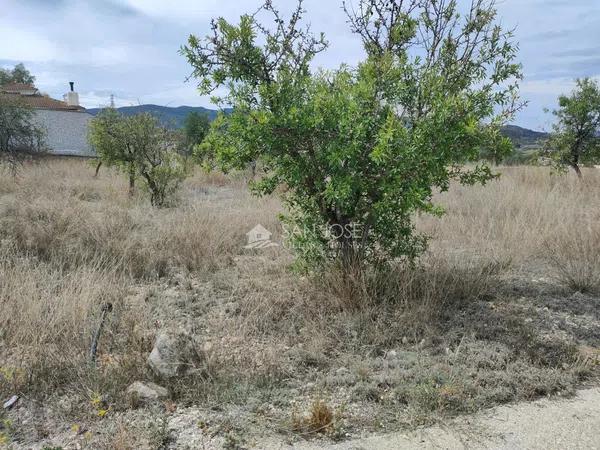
173 117
522 136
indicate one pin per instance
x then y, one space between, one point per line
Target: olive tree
142 148
195 128
360 150
576 136
19 74
20 134
115 145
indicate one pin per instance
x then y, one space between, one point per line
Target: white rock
147 392
11 402
173 355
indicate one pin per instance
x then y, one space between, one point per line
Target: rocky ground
210 345
540 425
185 403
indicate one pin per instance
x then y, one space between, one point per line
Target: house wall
66 131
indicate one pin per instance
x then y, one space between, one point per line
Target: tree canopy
20 135
360 150
195 128
139 146
19 74
576 136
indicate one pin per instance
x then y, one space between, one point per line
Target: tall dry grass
528 217
47 319
71 242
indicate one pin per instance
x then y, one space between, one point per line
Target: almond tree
360 150
139 146
576 136
20 134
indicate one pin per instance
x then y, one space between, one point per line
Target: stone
11 402
173 355
147 392
342 371
391 354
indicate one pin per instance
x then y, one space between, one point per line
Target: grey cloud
552 35
129 47
586 67
578 52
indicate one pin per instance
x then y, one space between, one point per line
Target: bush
576 259
20 136
360 150
141 147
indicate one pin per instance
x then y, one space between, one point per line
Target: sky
129 48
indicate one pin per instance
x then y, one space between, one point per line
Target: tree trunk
347 252
131 179
98 169
348 255
575 155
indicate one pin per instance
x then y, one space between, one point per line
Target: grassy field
503 307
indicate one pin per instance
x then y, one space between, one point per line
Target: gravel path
544 424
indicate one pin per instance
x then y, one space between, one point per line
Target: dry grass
480 321
320 419
47 319
70 243
575 255
513 219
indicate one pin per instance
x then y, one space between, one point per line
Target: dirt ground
503 309
548 424
243 415
540 425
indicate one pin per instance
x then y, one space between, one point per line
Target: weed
320 419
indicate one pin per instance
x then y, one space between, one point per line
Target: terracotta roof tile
17 87
42 102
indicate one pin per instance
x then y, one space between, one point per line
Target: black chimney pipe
72 83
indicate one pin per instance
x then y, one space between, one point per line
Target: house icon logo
259 237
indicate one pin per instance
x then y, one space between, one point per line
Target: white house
65 122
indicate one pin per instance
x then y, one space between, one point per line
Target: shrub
575 139
361 149
20 136
320 419
141 147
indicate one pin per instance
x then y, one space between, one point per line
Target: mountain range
169 116
523 136
175 117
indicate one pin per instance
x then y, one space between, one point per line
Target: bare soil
505 308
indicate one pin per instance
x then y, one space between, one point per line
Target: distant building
65 122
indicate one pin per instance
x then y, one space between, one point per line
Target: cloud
130 47
23 45
573 52
551 35
190 10
101 99
587 67
547 87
